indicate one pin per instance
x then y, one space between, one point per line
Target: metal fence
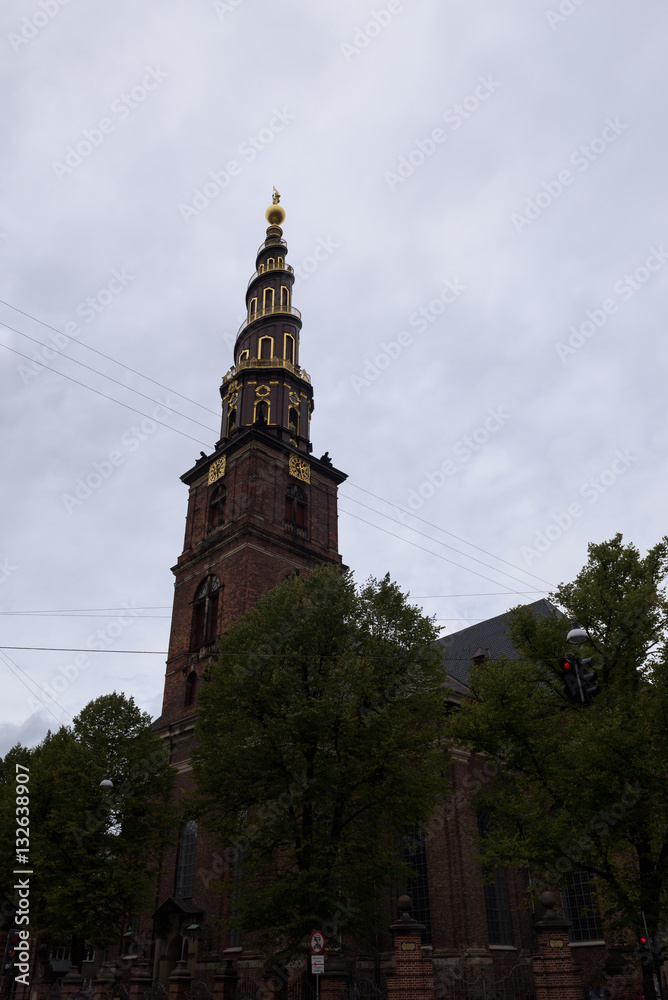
485 982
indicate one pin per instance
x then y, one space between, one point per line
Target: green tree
94 853
584 788
318 742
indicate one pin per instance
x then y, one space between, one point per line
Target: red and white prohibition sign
317 942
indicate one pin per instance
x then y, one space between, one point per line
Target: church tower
260 507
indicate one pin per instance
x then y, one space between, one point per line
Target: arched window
293 421
191 689
268 298
280 262
205 612
244 356
185 867
216 514
266 347
261 412
295 506
252 308
270 263
285 297
289 348
231 419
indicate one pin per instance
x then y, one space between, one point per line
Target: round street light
577 634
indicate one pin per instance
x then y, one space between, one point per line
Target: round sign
317 942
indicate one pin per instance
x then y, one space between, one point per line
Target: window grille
579 902
413 851
185 869
496 897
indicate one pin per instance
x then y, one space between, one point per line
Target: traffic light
588 677
569 672
10 953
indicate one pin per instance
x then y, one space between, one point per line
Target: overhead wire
190 437
108 357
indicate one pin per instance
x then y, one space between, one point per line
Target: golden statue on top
275 214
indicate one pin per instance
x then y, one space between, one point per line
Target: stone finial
548 899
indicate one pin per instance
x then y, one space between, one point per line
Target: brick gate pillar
555 977
414 976
179 981
334 980
225 981
141 978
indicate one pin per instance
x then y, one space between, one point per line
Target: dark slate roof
459 648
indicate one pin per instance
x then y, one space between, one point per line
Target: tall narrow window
185 867
581 909
266 347
252 308
268 298
244 356
293 421
496 897
205 612
285 297
413 851
191 689
289 348
295 506
216 514
261 412
231 419
270 263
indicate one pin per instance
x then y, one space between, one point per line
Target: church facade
261 507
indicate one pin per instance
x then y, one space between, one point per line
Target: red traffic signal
568 666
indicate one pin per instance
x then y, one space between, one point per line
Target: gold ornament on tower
275 214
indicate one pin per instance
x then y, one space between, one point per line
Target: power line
102 355
76 649
445 532
67 611
437 554
151 399
458 551
100 393
8 662
184 434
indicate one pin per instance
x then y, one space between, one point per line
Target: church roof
490 638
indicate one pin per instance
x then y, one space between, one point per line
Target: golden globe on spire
275 214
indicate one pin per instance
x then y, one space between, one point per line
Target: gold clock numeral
217 469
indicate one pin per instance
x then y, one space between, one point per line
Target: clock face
217 469
300 469
294 399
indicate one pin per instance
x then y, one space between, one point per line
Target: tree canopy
318 743
94 853
583 788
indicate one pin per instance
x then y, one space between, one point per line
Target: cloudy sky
475 203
